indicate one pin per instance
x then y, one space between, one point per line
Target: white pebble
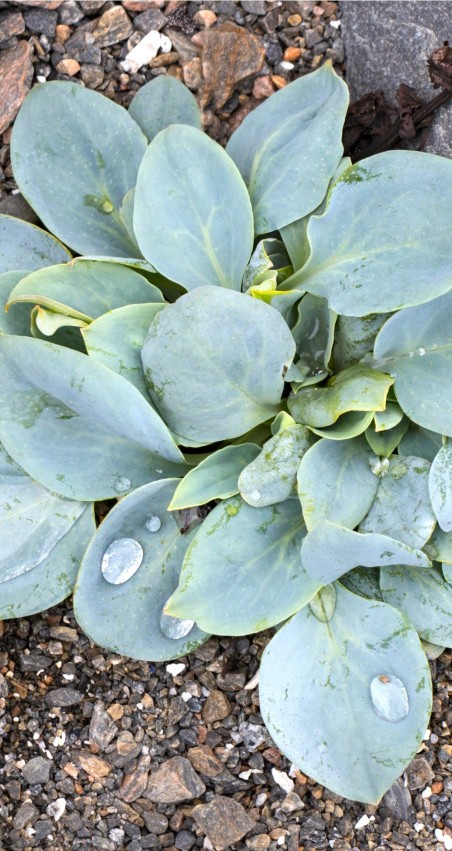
445 838
427 792
144 52
282 779
362 822
175 669
56 809
418 826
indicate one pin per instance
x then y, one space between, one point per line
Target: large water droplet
175 627
121 560
324 604
389 697
122 484
379 466
153 523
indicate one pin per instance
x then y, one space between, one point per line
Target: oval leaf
74 170
215 343
217 477
415 346
280 145
17 320
203 233
336 482
126 617
317 704
368 255
164 101
105 438
271 477
242 573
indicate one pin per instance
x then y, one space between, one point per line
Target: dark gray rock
3 686
388 43
41 21
224 821
398 801
37 770
33 661
26 814
151 19
419 773
63 697
102 728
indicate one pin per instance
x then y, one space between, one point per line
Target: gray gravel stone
26 813
63 697
102 728
37 770
388 43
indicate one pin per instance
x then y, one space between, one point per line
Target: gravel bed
105 752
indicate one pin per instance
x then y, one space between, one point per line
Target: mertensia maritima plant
250 351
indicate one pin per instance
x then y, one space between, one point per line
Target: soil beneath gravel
105 752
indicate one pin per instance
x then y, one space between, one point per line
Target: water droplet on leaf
389 697
175 627
322 747
324 604
121 560
254 495
122 484
153 523
379 466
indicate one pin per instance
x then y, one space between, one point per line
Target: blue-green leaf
316 686
440 485
105 439
271 477
75 155
367 254
24 246
336 482
242 572
424 596
216 477
330 550
415 346
279 146
217 344
164 101
126 616
203 232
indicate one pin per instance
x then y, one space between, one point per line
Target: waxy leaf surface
424 596
440 485
368 255
415 346
357 388
336 482
216 477
164 101
279 146
271 477
126 617
203 233
330 729
25 246
215 344
116 339
330 550
105 438
242 572
78 196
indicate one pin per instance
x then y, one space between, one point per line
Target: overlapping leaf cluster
252 353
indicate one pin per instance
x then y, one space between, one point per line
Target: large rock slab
388 43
